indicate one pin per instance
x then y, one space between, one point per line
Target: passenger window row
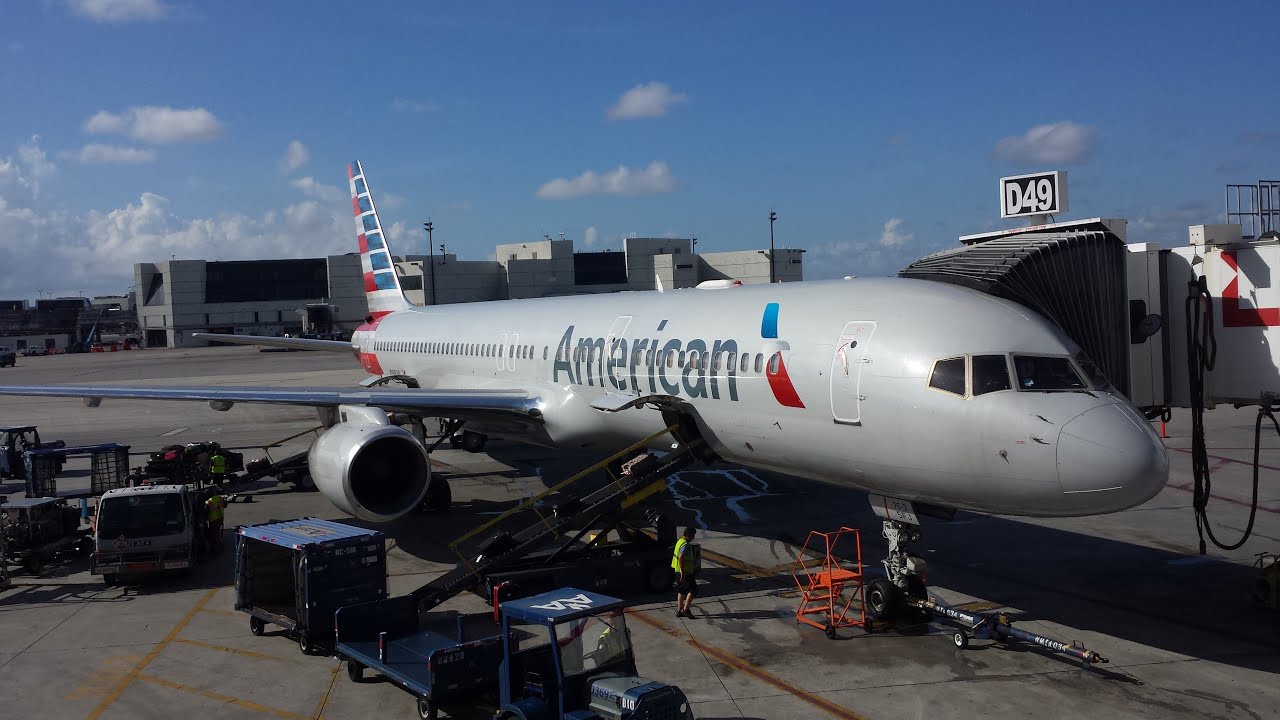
524 352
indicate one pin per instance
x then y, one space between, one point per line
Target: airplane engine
375 472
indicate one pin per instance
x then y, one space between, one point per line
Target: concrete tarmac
1183 637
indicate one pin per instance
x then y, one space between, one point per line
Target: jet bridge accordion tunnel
1076 279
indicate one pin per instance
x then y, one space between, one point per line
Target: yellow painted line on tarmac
136 671
748 667
235 651
324 699
224 699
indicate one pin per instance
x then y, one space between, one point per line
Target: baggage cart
296 574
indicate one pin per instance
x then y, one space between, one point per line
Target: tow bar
998 626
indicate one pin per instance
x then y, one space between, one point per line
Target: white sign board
1035 194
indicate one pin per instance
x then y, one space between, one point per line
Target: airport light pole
431 254
773 216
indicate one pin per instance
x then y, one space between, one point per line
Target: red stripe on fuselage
369 361
784 391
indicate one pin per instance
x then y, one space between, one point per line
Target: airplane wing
512 404
291 343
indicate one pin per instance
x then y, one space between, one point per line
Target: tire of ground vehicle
257 626
306 645
355 671
426 711
473 442
659 577
110 579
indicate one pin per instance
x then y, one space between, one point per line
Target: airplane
930 397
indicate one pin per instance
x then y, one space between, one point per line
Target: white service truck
148 529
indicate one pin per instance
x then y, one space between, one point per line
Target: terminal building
325 296
67 324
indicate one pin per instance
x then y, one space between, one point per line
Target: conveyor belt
1075 279
611 497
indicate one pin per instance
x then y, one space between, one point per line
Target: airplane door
616 361
846 371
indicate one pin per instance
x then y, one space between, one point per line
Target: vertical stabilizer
381 286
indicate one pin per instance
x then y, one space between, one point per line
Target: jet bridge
1071 273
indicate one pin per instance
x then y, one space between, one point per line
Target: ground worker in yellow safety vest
682 562
216 507
217 467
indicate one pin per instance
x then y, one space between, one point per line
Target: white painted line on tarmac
174 431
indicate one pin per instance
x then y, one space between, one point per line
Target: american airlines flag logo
380 283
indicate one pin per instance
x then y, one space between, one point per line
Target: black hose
1202 353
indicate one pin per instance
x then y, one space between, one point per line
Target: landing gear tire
257 626
439 496
426 710
355 671
303 482
473 442
882 599
455 441
960 639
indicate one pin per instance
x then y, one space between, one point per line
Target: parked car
8 357
34 352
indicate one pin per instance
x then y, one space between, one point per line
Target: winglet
381 285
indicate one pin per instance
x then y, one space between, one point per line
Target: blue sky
138 129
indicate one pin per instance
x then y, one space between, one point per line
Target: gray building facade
175 298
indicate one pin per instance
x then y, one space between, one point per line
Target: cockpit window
1092 372
990 374
948 375
1046 373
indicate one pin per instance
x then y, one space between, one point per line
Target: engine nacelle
374 471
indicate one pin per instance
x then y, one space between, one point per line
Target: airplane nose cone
1112 452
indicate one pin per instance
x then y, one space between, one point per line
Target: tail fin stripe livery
381 286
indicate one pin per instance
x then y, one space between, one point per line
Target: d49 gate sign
1036 194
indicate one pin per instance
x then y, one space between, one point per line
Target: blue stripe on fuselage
769 323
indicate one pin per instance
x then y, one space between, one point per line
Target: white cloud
656 178
325 193
157 125
647 100
119 10
591 236
890 235
295 156
21 176
414 106
389 201
95 251
1060 143
99 154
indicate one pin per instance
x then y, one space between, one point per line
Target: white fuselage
836 386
